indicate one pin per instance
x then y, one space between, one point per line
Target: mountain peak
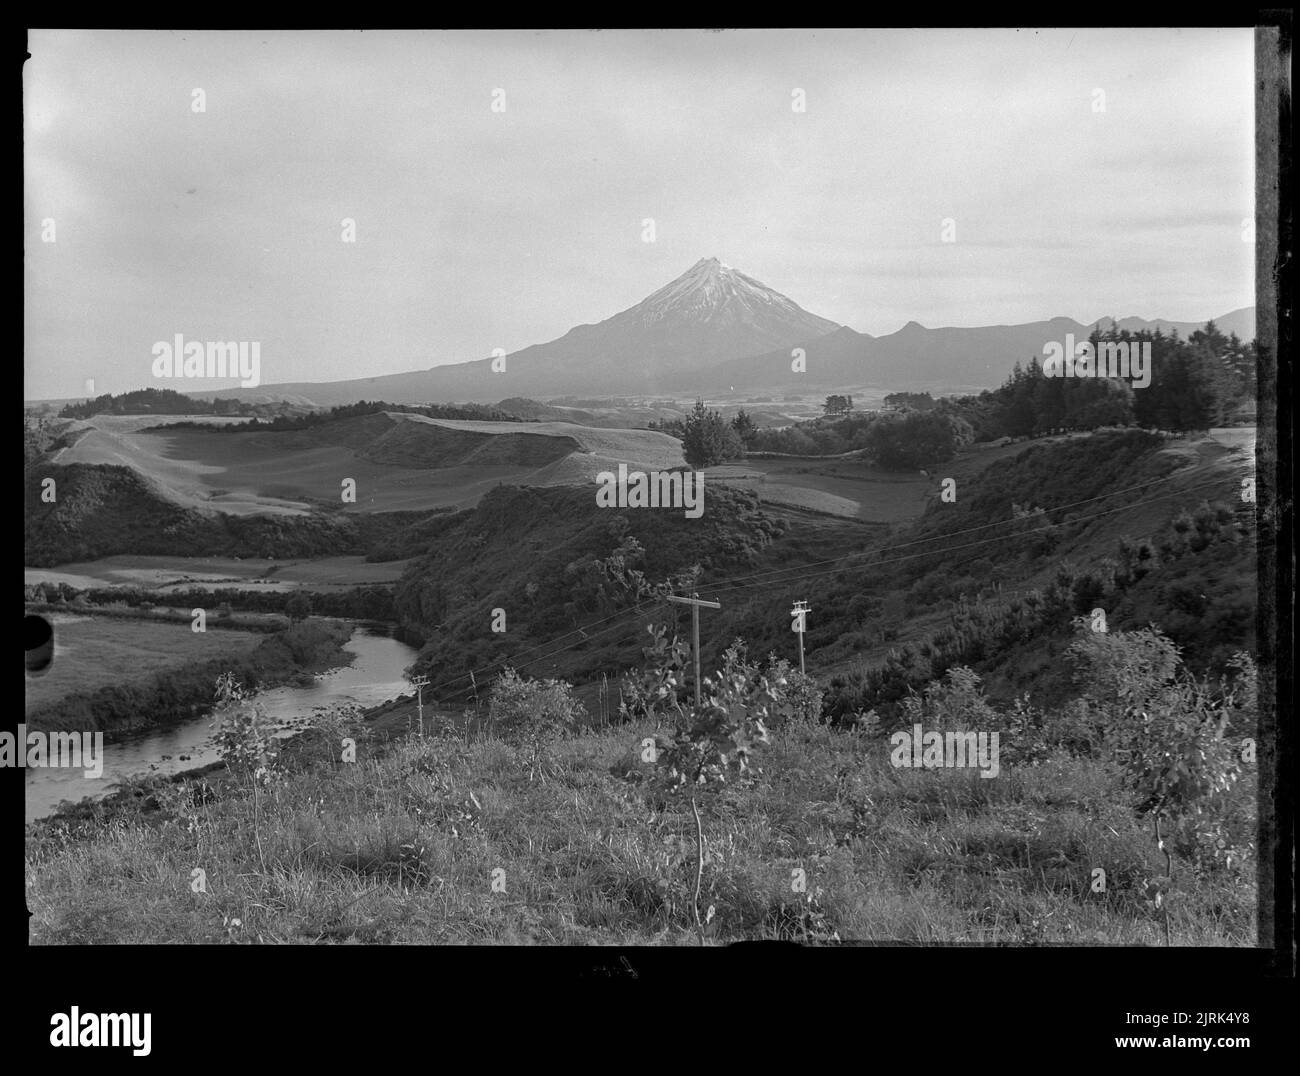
712 292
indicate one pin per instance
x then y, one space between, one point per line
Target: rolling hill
872 590
399 461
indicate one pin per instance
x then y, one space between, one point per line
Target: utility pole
799 612
695 603
420 682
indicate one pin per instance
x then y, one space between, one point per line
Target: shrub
1168 733
1079 726
298 607
521 708
803 693
952 703
651 692
1122 669
244 735
956 703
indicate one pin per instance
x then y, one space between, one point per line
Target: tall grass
401 846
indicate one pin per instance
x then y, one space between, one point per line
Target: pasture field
846 488
854 490
849 488
93 652
878 498
161 573
399 461
405 462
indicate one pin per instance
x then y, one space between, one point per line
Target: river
374 676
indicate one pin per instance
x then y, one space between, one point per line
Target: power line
582 631
513 660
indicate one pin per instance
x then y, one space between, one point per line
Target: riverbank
175 694
371 671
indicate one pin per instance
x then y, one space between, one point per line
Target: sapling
715 741
1178 761
247 741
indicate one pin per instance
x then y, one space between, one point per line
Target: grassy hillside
404 844
1035 536
106 510
399 461
554 561
1146 530
574 825
981 566
408 441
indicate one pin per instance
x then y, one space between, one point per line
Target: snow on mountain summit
709 314
713 293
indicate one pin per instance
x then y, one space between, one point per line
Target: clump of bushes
521 707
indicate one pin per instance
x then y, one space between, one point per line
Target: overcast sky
478 229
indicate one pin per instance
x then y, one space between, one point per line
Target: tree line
468 412
160 402
1195 384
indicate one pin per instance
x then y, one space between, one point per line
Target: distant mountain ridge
716 329
944 359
